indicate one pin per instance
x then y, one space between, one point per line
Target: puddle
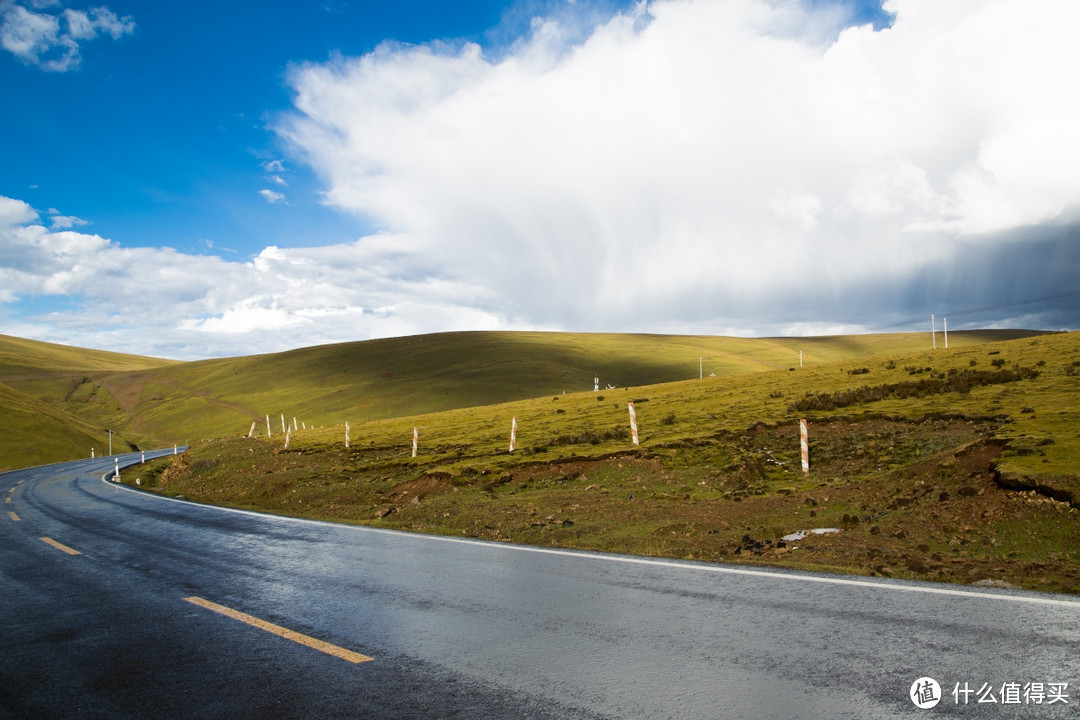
803 533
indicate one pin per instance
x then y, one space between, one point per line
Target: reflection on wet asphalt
460 628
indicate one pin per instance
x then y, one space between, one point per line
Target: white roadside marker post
346 433
251 432
268 434
91 452
288 434
144 457
633 423
116 470
805 443
282 422
415 440
513 433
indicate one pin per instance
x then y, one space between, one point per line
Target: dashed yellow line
60 546
7 499
13 515
296 637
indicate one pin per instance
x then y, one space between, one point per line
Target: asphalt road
142 623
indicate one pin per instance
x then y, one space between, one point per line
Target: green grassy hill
957 465
36 433
389 378
148 401
52 411
20 357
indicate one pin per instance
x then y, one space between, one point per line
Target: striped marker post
804 441
415 440
346 433
116 471
633 423
513 433
268 426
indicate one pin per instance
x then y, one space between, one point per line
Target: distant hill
21 357
36 433
149 401
41 411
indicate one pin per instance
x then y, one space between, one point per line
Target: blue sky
205 179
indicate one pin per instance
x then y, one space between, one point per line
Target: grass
960 481
36 433
150 401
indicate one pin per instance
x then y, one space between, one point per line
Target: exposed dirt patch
424 486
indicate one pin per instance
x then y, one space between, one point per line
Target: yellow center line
296 637
13 515
60 546
7 499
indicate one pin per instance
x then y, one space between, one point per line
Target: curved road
173 609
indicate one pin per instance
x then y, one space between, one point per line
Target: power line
984 308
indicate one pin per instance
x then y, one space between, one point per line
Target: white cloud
272 196
744 167
64 222
693 153
163 302
51 41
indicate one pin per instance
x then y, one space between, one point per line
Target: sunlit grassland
36 433
19 356
718 465
380 379
594 423
50 408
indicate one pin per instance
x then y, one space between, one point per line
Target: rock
383 512
996 584
567 523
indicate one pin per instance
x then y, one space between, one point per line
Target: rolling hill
46 416
149 401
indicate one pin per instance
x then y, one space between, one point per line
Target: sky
194 180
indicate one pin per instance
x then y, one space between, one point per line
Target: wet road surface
173 609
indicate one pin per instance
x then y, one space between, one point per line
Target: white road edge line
631 560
